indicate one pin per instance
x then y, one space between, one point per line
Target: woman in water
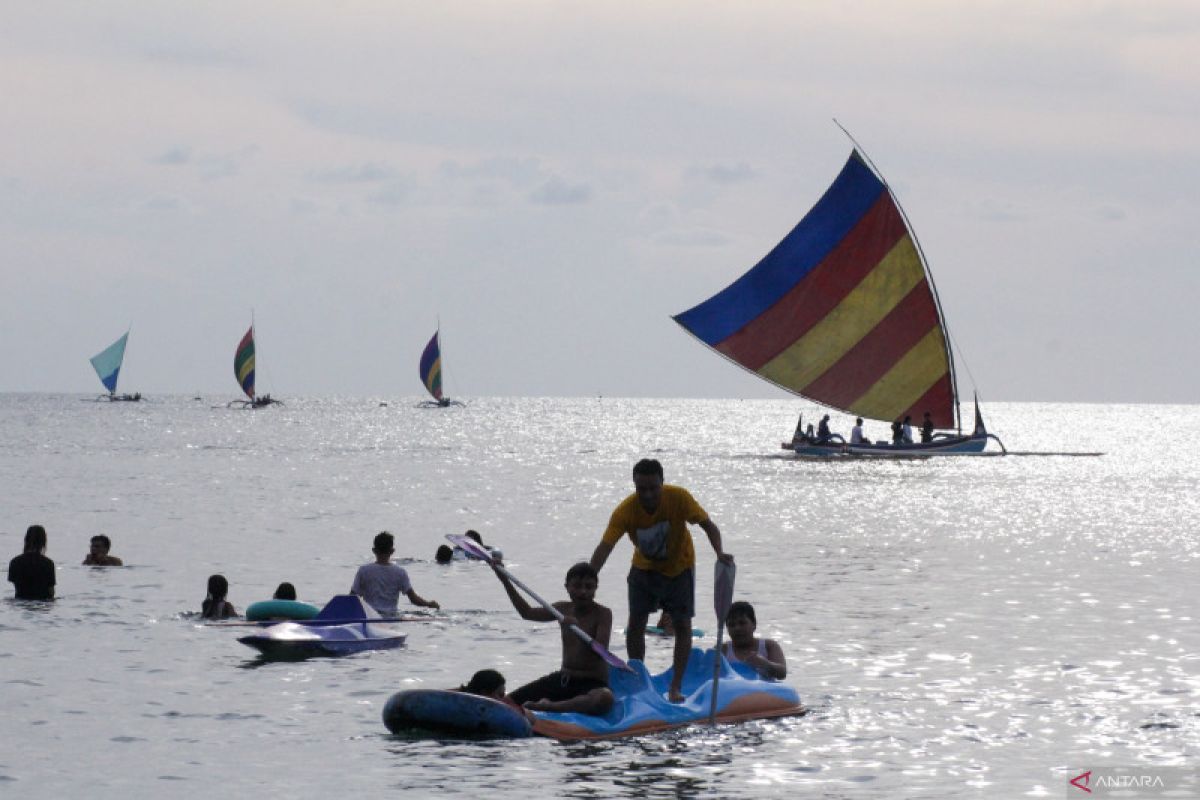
215 606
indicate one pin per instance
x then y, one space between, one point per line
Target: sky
550 181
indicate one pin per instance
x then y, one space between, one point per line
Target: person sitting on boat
485 683
98 553
927 429
856 433
897 431
285 591
907 430
381 583
215 606
743 647
580 685
32 573
823 432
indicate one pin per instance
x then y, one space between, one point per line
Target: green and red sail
243 363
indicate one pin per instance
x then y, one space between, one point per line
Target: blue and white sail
107 363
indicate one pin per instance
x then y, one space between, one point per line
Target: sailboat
243 370
844 312
107 364
430 370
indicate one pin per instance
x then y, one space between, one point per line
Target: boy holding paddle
581 684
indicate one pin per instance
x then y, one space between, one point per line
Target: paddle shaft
472 548
724 575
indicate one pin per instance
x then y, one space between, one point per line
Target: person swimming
485 683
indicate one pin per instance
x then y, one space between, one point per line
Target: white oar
723 575
473 549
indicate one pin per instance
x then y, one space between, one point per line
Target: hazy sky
553 180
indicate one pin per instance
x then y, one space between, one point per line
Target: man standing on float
663 573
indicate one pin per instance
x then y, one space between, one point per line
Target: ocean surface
970 627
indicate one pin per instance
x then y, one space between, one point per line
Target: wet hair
285 591
384 543
475 535
444 554
648 466
741 609
218 587
35 538
582 570
484 682
103 540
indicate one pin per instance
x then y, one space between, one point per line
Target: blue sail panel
851 195
107 363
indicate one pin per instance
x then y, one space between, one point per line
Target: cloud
724 174
173 156
557 192
359 173
692 237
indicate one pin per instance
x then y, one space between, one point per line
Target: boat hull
642 707
947 446
455 714
295 640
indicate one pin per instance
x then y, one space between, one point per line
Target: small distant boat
843 311
107 364
345 625
243 370
431 375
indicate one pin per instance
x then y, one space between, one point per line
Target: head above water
486 682
444 555
218 587
35 539
385 544
475 535
102 543
285 591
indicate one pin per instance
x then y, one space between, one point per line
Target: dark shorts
556 686
650 591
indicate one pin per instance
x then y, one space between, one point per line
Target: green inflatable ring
280 609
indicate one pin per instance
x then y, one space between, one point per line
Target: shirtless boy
581 684
98 555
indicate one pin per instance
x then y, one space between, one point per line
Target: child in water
485 683
215 605
743 647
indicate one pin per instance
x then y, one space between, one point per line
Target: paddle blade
723 589
609 658
469 546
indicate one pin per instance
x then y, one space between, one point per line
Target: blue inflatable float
641 705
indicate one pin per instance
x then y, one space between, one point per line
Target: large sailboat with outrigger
844 312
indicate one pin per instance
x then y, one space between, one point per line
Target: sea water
980 627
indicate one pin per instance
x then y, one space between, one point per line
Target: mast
924 263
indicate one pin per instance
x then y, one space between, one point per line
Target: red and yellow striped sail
841 311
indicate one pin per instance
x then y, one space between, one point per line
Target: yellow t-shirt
661 541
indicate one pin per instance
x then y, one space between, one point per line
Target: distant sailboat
430 370
107 364
243 370
843 311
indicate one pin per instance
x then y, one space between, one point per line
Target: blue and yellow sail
841 311
243 363
107 363
431 368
